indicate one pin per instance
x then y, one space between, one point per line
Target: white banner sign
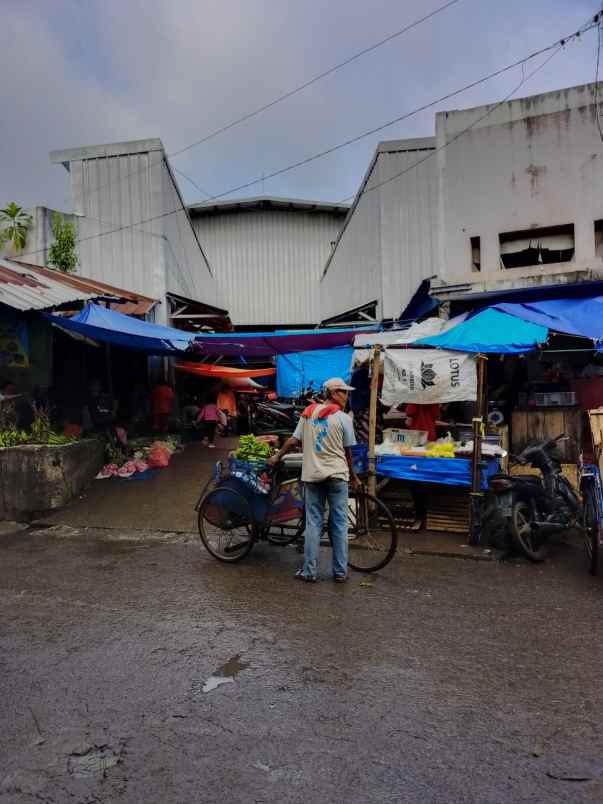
424 376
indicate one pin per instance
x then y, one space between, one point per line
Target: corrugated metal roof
130 303
24 289
267 202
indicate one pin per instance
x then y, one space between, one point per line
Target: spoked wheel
526 539
591 532
372 534
226 525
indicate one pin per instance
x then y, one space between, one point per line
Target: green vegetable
250 449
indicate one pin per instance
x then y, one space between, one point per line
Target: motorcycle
273 418
527 509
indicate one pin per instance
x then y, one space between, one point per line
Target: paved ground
437 681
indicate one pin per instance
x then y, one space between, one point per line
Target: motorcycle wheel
524 538
591 533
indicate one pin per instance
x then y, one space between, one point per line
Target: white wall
268 261
533 162
127 187
388 245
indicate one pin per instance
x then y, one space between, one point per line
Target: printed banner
425 376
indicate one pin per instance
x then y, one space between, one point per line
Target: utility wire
556 46
597 111
285 96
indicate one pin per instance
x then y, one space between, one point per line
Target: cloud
86 73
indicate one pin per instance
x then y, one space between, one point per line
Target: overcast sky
84 72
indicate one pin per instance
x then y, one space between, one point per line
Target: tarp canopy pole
477 495
375 369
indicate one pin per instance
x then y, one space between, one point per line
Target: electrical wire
556 46
285 96
597 111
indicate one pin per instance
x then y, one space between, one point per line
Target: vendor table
419 469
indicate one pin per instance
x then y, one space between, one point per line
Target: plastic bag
158 458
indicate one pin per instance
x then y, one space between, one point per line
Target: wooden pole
375 369
476 460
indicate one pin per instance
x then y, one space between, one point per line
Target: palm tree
15 222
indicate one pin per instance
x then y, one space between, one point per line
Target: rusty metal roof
23 289
123 301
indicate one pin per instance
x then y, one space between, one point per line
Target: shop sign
425 376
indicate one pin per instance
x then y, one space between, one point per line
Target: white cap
337 384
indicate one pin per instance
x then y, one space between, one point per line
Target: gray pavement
438 680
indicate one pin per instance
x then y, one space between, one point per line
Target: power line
191 181
597 112
555 46
285 96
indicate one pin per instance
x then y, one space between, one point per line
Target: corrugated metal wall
390 241
154 257
268 262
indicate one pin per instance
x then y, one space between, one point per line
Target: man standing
327 436
162 398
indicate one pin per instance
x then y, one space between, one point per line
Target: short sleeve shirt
324 442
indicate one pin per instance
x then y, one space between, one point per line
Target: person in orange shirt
162 398
227 403
424 417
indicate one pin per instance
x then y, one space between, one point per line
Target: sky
85 72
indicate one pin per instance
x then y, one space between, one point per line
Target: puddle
94 762
225 674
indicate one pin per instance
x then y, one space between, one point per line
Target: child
208 419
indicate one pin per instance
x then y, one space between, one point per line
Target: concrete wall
534 162
268 261
40 479
388 244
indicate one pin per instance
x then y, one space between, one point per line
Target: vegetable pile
252 449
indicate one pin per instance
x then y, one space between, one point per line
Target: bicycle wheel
226 525
372 534
590 524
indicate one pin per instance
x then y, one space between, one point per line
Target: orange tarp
223 372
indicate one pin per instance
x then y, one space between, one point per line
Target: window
599 238
545 246
476 254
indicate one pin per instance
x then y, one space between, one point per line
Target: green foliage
62 253
41 432
14 223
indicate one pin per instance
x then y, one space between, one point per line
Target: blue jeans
335 492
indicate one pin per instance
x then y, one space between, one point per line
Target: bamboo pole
478 424
375 369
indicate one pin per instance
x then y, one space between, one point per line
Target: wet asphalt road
443 681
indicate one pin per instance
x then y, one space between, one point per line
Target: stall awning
267 344
108 326
490 331
582 317
224 372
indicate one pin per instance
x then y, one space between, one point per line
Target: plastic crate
555 399
409 438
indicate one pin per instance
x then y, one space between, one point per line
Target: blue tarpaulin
298 372
267 344
583 317
108 326
490 331
445 471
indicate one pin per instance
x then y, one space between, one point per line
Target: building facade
267 254
508 197
134 230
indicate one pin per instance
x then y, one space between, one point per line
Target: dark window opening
476 254
545 246
599 238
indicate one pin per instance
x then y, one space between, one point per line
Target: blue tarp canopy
267 344
582 317
298 372
108 326
490 331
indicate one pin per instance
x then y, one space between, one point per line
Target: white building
134 230
267 255
509 196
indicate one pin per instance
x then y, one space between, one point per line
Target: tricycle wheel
372 534
591 532
226 525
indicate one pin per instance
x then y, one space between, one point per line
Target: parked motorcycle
526 509
268 417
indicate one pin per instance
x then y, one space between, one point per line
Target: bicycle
233 517
591 489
